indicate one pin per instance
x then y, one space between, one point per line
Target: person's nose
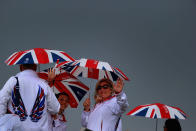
101 89
64 102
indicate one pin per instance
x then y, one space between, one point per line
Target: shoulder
43 84
42 81
11 81
112 99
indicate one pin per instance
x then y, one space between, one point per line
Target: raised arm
86 112
120 104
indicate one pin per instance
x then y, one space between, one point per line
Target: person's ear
21 68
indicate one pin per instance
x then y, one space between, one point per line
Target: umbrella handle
89 95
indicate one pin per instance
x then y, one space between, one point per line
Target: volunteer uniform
31 102
105 116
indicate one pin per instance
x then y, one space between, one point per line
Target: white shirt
29 84
59 124
104 116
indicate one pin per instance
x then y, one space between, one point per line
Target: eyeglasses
104 87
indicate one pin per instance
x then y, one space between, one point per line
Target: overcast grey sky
152 41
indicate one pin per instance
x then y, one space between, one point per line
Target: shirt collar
28 72
109 98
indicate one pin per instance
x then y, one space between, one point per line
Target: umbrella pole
38 67
89 94
156 124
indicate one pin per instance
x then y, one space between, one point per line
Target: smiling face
104 90
64 102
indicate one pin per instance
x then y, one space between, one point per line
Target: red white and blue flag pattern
38 107
158 110
19 107
38 56
92 69
65 82
17 103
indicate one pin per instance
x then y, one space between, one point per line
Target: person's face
105 90
64 101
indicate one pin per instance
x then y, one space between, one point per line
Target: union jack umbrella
92 69
65 82
158 110
37 56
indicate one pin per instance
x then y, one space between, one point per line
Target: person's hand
118 87
51 75
87 104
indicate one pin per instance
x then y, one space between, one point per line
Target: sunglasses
104 87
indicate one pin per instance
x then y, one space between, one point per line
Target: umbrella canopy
65 82
158 110
37 56
92 69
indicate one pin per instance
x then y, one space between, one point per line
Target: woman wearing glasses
110 104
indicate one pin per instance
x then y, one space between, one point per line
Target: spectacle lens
104 87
